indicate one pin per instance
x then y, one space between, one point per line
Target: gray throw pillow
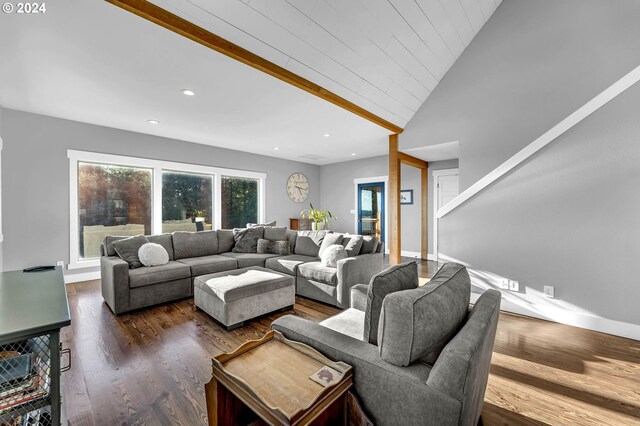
353 244
246 239
108 245
273 247
275 233
395 278
127 249
308 242
329 240
369 244
418 324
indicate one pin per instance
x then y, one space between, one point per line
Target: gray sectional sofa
192 254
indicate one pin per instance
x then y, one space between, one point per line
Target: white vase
318 226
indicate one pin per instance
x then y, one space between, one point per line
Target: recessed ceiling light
188 92
327 135
153 121
276 148
353 153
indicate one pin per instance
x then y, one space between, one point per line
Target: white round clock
298 187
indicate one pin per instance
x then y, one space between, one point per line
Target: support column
424 190
394 202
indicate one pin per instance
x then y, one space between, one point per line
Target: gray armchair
404 380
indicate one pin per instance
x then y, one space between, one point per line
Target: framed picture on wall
406 196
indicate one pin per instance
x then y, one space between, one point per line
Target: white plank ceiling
383 55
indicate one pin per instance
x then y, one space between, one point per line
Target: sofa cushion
353 244
209 264
225 240
395 278
332 254
249 259
275 233
246 239
194 244
369 244
280 248
292 236
349 322
418 323
309 242
317 272
328 241
150 275
127 249
165 240
287 264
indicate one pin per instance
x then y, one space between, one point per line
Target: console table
33 309
267 382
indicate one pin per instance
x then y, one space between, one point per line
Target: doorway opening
371 209
446 187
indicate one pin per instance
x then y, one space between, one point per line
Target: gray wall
35 178
569 216
531 65
338 194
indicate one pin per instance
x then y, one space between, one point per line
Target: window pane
186 201
239 202
112 200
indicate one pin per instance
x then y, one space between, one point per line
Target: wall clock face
298 187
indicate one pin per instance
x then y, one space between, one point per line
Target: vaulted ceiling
93 62
383 55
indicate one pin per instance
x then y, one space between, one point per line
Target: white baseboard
431 256
603 325
414 254
70 277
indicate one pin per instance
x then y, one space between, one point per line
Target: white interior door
447 187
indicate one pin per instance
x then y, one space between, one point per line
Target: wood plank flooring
150 367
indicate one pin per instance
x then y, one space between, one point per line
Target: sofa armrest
359 296
356 270
114 273
390 394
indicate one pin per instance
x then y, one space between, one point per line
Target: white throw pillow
152 254
332 254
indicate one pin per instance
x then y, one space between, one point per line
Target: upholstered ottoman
235 296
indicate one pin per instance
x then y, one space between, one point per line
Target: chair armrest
390 394
356 270
359 296
114 273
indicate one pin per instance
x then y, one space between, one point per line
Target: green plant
199 213
317 215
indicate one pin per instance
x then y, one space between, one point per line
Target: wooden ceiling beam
412 161
168 20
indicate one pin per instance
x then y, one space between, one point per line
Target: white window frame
157 166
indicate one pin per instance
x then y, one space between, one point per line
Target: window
125 196
187 200
239 202
112 200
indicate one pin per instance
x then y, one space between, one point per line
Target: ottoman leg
286 308
234 326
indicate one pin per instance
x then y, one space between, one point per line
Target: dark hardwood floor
150 367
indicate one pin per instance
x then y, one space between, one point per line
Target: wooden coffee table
267 381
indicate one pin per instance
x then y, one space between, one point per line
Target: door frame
375 179
436 192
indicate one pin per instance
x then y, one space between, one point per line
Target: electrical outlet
549 291
504 284
60 263
514 285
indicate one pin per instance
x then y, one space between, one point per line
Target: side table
267 381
